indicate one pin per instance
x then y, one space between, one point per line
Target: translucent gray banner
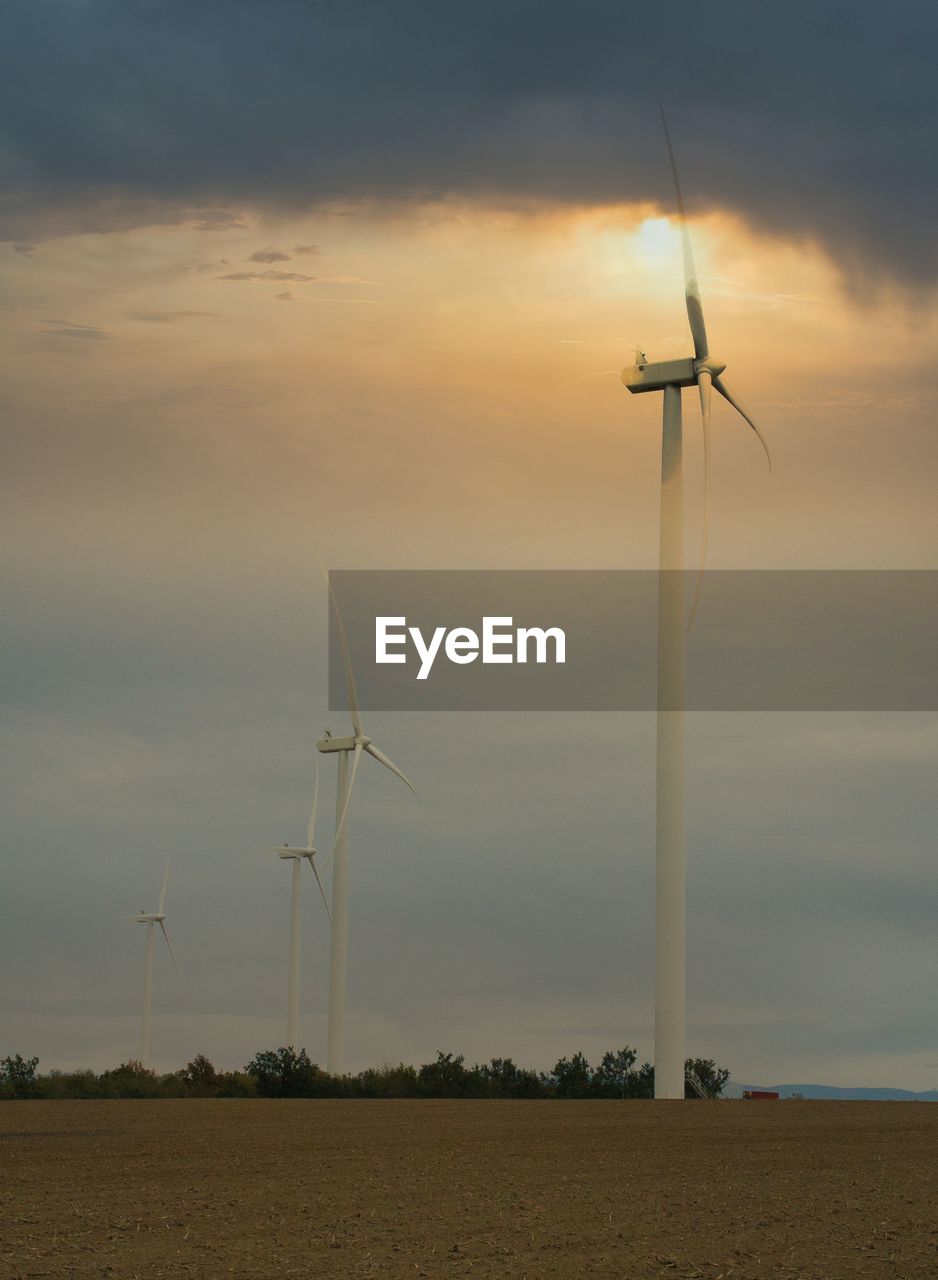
780 640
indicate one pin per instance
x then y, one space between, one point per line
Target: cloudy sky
355 280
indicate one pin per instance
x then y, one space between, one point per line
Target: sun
656 240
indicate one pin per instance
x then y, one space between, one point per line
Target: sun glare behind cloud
656 240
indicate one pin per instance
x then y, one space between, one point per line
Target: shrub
388 1081
449 1077
18 1076
284 1073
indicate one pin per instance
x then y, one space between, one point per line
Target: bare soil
631 1190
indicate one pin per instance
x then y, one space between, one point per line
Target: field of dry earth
338 1189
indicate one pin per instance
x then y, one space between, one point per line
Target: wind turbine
705 372
297 853
355 746
150 919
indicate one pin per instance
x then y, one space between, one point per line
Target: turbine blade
691 287
171 952
389 764
311 828
694 307
163 891
340 825
349 675
321 889
703 385
725 392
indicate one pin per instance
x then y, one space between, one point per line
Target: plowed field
629 1190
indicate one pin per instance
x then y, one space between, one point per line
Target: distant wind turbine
354 746
297 853
150 919
702 371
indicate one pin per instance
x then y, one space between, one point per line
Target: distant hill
836 1092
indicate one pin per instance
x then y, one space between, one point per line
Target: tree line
288 1073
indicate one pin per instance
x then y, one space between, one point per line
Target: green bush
288 1073
18 1076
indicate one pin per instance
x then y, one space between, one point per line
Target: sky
356 282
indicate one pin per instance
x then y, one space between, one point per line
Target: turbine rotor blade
163 891
703 384
311 828
349 675
389 764
691 287
312 865
694 306
171 952
725 392
340 825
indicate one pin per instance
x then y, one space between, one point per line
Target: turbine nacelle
294 851
154 917
343 744
669 373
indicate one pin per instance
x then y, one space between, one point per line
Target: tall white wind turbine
151 919
703 371
355 746
296 854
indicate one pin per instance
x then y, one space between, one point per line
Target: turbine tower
296 854
151 919
703 371
355 746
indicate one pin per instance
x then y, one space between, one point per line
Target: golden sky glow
464 356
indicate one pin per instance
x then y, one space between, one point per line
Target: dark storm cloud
811 120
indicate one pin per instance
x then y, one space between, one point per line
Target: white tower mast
339 952
669 816
147 997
